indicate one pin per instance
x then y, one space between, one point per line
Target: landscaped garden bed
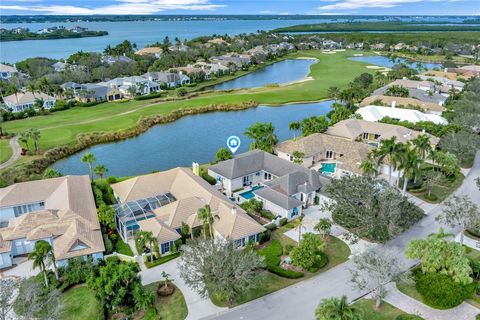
385 312
161 260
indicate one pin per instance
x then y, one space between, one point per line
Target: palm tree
35 135
151 241
207 217
24 136
387 151
39 256
422 144
184 232
100 171
294 126
410 164
333 92
368 166
89 158
337 309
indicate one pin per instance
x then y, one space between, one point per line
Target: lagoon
386 62
192 138
282 72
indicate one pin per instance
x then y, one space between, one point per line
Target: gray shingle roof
278 198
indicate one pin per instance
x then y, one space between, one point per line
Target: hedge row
272 254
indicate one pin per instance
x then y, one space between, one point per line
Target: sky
283 7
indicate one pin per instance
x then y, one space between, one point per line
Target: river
192 138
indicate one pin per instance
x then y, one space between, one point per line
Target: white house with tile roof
60 211
160 202
23 101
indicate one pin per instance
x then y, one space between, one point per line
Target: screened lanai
130 213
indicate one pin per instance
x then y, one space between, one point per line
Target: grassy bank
5 150
385 312
62 128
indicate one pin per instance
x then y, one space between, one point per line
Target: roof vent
234 210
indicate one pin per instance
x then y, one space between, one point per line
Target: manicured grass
80 303
62 127
410 290
123 248
337 252
386 311
172 307
5 150
161 260
442 190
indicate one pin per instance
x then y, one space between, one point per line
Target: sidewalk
403 302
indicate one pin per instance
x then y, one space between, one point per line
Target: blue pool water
250 194
328 168
280 73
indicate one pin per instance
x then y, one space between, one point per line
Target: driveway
300 300
15 154
197 306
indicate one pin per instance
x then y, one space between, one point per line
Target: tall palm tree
151 241
24 136
423 146
100 171
35 135
294 126
39 256
333 92
207 217
337 309
369 166
271 138
89 158
410 165
387 151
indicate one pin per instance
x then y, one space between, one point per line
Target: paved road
16 152
299 301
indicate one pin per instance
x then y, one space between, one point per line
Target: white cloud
358 4
121 7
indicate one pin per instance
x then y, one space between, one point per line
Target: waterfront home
211 68
232 60
331 155
193 73
160 202
404 103
169 79
465 73
377 113
441 74
60 211
374 132
377 46
178 48
139 84
113 59
6 71
284 188
94 92
422 95
445 83
155 51
425 85
23 101
59 66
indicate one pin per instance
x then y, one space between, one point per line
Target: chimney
445 70
234 210
394 103
196 168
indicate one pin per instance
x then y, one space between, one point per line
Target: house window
258 173
251 239
166 247
329 154
377 136
238 243
365 135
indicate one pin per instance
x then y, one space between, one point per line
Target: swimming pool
328 168
250 194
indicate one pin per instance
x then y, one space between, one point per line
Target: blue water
250 194
192 138
281 72
383 61
139 32
328 168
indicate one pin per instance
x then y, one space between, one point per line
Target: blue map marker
233 143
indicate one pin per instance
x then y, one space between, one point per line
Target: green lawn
123 248
337 252
5 150
160 260
172 307
386 311
80 303
62 127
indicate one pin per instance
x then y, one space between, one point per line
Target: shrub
208 178
431 197
272 254
267 214
161 260
265 236
111 180
271 226
76 272
440 291
287 249
316 200
108 244
408 317
149 96
283 221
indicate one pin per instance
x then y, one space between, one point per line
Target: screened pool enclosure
130 213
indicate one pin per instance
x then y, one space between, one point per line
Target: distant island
212 17
379 27
19 33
